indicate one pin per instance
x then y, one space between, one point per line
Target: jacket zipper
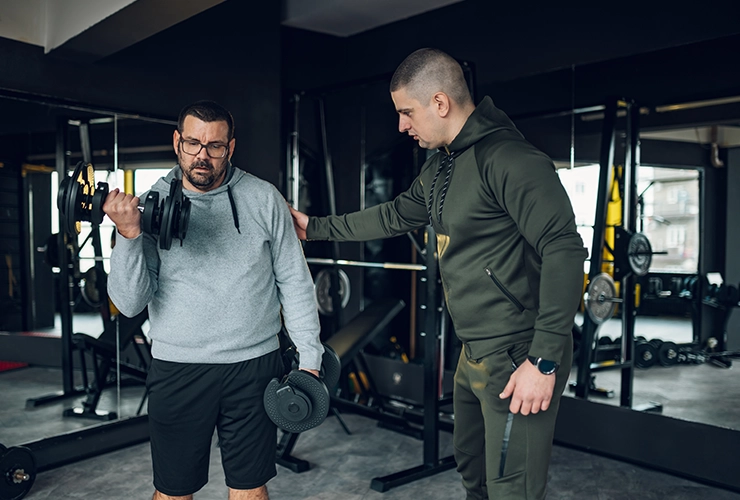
505 291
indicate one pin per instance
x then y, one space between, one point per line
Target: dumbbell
300 400
17 472
645 354
80 200
668 354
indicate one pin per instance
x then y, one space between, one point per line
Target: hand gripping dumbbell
300 400
80 200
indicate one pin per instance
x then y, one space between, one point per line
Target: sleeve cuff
550 346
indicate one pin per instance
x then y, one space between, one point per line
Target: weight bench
102 350
348 342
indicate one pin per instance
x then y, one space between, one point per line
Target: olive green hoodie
510 257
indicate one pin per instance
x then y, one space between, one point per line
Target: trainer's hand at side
300 222
530 390
123 210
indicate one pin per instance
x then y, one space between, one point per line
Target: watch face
547 367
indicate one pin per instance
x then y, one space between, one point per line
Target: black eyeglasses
193 148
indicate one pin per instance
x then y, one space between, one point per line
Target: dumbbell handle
20 475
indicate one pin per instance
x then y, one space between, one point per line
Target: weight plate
168 218
183 219
98 199
331 367
645 355
304 385
18 469
90 289
668 354
639 254
77 197
152 212
322 286
600 298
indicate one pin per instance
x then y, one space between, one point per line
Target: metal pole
605 174
431 355
329 174
357 263
629 220
66 270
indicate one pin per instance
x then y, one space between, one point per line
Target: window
668 212
669 199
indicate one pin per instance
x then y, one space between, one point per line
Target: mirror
680 323
100 378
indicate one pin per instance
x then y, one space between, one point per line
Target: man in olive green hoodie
511 262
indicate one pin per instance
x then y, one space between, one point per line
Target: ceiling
349 17
89 30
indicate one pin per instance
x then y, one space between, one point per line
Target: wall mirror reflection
68 362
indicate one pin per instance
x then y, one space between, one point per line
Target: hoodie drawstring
448 160
234 213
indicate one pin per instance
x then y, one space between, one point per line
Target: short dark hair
207 111
427 71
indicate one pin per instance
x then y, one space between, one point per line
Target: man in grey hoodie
216 304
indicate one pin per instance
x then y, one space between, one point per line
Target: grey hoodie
218 298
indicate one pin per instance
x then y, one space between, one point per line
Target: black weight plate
656 343
168 218
303 383
18 469
183 219
639 254
150 217
73 199
668 354
645 355
98 199
331 367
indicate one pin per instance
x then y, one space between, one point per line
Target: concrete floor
343 465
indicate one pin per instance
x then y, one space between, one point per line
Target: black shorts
186 403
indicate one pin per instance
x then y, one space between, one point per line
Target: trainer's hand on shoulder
300 222
123 210
529 389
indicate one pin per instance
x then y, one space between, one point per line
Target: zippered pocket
505 291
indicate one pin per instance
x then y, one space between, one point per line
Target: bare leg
162 496
255 494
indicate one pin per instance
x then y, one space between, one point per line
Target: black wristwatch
545 366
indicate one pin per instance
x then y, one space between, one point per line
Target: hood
485 119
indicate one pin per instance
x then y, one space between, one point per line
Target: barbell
79 199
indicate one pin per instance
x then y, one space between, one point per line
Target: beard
203 179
